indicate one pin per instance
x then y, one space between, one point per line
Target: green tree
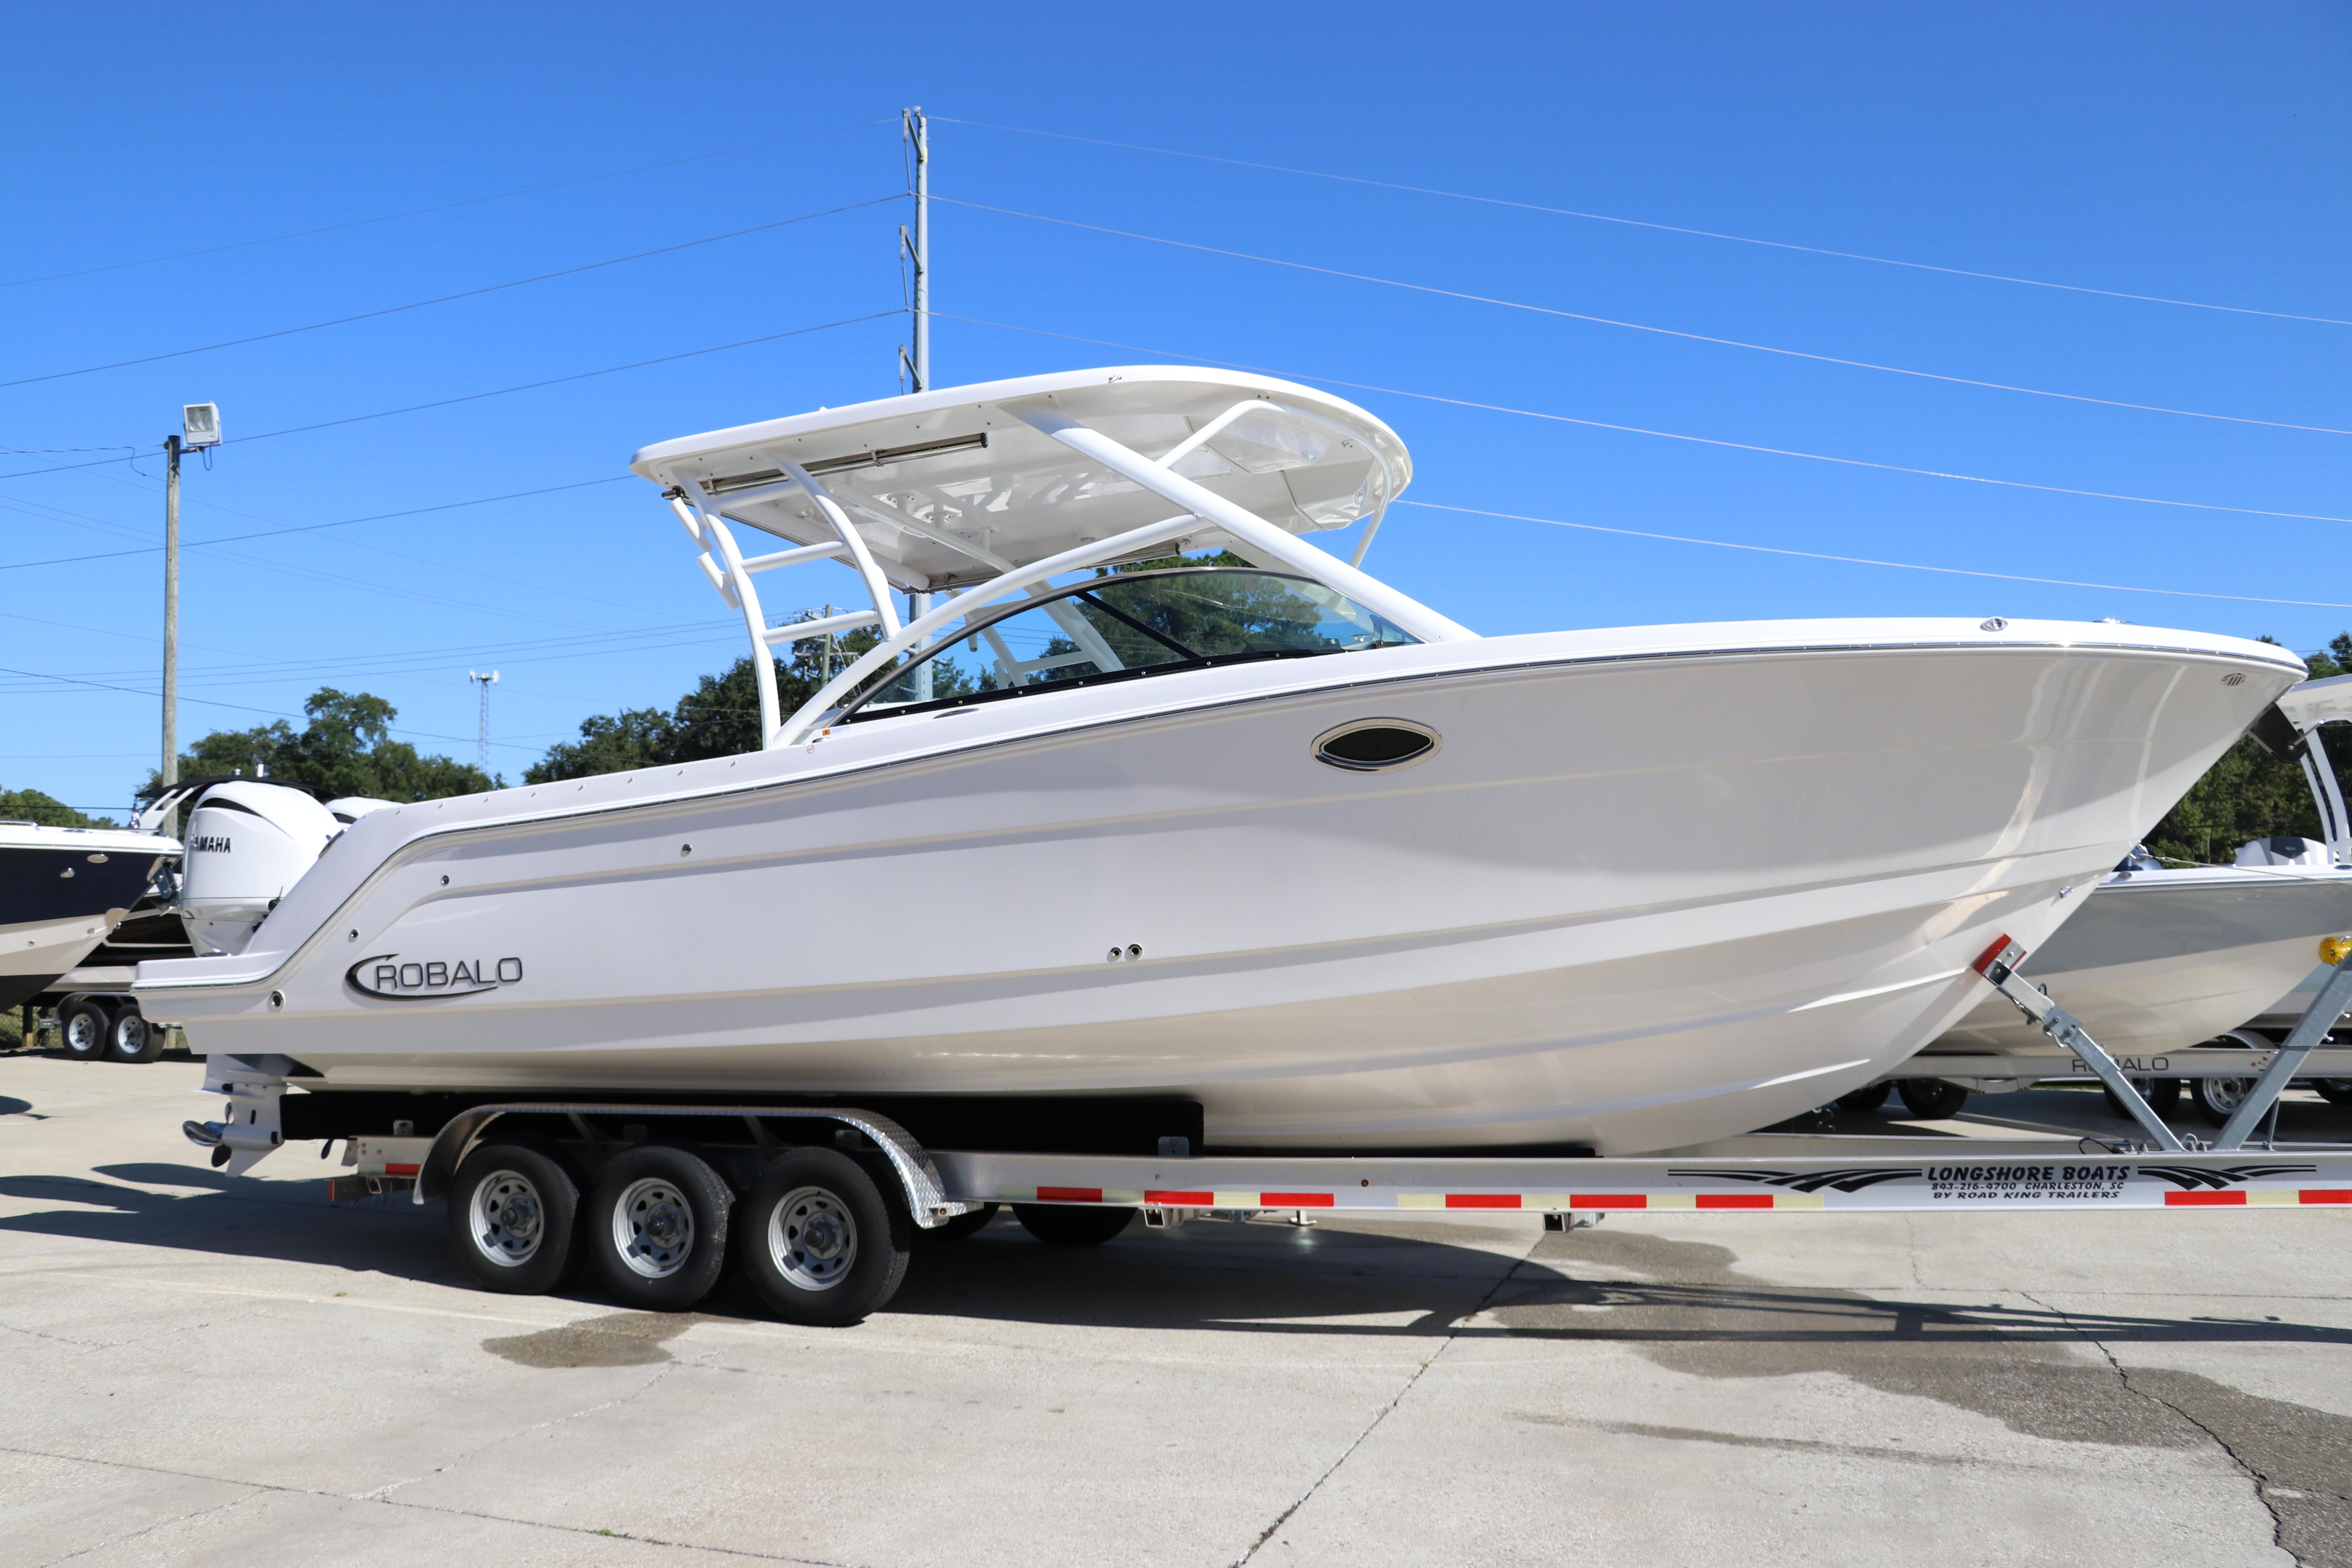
32 805
2249 793
346 749
719 718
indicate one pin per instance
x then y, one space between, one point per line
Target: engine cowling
246 843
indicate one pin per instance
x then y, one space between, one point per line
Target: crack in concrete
256 1488
383 1493
2260 1481
56 1339
150 1529
1453 1333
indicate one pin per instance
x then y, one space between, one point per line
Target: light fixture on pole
482 728
199 428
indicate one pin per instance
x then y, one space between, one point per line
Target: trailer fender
919 1176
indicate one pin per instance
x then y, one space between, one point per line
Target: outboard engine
350 808
247 842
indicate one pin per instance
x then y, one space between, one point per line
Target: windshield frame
855 712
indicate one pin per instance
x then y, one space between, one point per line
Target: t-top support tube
730 574
2319 771
734 584
1253 532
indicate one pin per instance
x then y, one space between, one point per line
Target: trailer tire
1932 1099
514 1214
2334 1090
657 1226
825 1244
1072 1225
1868 1098
2217 1098
2162 1094
82 1027
131 1038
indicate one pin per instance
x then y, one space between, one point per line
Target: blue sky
2193 154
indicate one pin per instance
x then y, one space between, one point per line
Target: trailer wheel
658 1228
82 1026
825 1244
2334 1090
131 1038
513 1218
2217 1098
1071 1225
2162 1094
1932 1099
1868 1098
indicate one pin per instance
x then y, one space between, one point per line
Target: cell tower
482 729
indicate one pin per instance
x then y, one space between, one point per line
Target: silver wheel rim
82 1034
509 1218
653 1227
2226 1094
130 1036
812 1238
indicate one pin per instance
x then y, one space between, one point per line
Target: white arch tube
1249 527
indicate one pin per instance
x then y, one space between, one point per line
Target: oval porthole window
1370 745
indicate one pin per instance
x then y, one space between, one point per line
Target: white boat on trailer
1274 843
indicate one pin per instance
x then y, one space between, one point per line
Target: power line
461 294
1868 561
315 526
441 208
1663 227
1637 326
474 396
560 380
1641 430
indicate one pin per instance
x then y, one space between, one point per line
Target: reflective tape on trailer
2202 1180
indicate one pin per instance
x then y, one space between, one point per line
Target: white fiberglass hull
1656 885
61 890
2162 960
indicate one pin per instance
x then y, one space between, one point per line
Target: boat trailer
2164 1171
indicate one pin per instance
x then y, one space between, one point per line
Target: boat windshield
1120 626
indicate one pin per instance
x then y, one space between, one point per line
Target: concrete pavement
198 1370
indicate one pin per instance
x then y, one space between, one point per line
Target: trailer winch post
1999 967
2326 1009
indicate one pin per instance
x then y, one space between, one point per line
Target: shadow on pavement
1260 1277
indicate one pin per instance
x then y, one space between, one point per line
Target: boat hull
1641 895
61 890
2163 960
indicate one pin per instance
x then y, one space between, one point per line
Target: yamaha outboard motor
247 842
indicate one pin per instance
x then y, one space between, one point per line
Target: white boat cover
962 462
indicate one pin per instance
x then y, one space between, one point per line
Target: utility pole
199 431
917 128
171 770
914 128
482 725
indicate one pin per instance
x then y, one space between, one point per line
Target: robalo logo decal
386 975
